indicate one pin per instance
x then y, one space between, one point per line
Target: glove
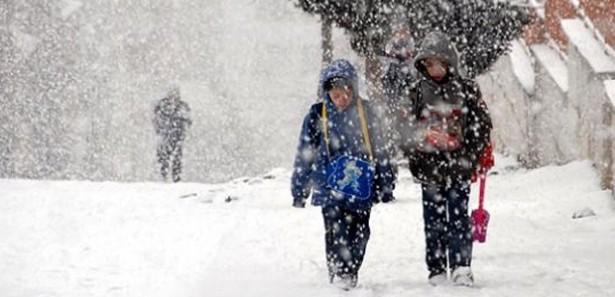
299 202
486 159
383 194
485 162
386 197
441 140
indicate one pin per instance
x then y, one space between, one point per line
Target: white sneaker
462 276
438 279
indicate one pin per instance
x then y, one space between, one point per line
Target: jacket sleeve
478 126
184 113
408 125
307 152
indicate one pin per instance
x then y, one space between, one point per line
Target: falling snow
85 210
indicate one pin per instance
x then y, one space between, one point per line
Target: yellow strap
366 137
362 118
325 127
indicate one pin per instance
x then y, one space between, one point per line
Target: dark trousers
170 155
448 231
346 235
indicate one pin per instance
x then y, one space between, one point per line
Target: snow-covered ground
242 238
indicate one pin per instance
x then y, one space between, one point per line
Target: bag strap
364 129
366 138
325 124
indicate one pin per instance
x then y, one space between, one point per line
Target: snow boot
462 276
437 278
348 282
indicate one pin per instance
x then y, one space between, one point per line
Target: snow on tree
481 29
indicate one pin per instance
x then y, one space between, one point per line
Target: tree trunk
327 44
373 67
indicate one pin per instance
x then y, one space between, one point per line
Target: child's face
436 68
341 97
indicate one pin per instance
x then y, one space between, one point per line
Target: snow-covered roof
553 63
583 39
609 86
522 66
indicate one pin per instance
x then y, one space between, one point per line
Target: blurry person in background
399 79
401 71
171 120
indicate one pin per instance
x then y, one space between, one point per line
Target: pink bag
480 216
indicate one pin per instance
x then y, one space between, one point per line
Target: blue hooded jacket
345 138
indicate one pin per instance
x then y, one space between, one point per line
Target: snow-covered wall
508 104
568 114
552 109
608 176
589 65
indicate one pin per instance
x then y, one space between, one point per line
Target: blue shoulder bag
350 177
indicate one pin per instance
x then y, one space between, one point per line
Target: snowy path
75 239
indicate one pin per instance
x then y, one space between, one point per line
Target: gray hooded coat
453 105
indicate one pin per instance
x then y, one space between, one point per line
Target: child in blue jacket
345 163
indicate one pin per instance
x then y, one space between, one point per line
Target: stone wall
552 109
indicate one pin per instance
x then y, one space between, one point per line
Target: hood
438 45
338 68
